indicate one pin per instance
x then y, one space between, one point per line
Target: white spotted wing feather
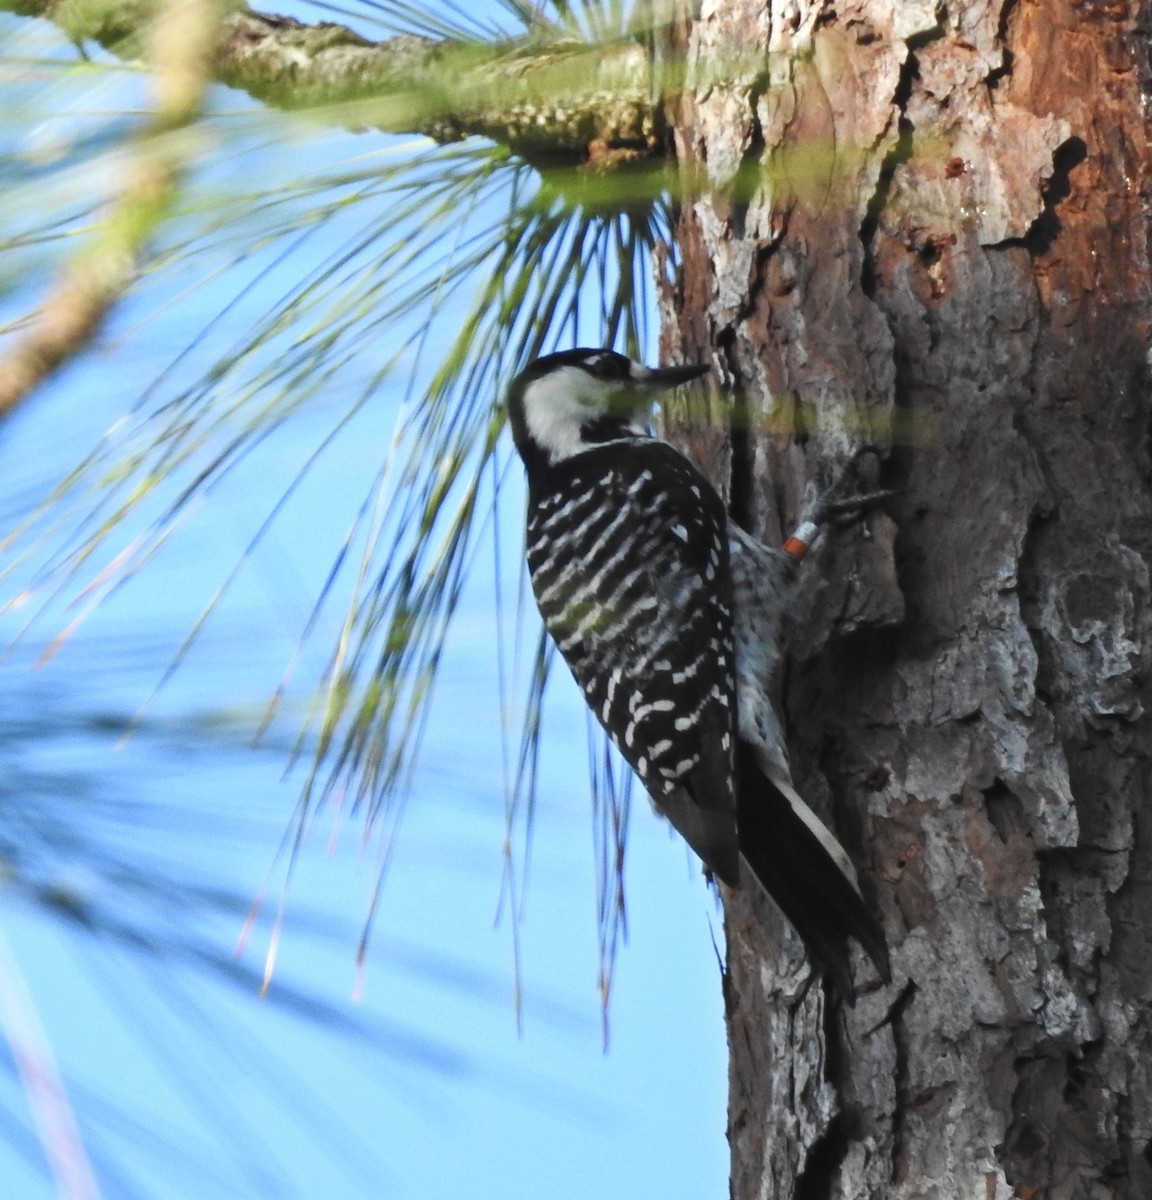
627 553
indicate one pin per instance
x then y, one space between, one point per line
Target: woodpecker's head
564 403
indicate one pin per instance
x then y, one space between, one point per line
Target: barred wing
627 550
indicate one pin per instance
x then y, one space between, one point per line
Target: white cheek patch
556 406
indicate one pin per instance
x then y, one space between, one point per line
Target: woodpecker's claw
836 508
842 513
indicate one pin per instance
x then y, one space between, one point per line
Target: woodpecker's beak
660 379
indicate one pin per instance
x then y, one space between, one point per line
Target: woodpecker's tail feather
808 884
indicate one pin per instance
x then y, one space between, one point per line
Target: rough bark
926 225
922 225
555 102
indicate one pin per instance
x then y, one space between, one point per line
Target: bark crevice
901 1086
900 152
1041 235
972 269
825 1156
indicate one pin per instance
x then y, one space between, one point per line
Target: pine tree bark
927 226
922 225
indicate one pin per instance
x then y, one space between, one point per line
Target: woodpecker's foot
835 507
846 501
840 513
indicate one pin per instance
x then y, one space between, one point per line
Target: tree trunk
927 227
920 224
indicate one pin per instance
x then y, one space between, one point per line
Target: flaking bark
923 226
926 227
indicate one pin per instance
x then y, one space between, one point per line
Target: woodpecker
669 616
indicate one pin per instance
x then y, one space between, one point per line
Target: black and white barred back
628 555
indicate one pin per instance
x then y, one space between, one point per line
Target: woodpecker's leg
837 506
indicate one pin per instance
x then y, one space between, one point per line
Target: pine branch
556 104
180 36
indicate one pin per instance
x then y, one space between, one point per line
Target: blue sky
184 1082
